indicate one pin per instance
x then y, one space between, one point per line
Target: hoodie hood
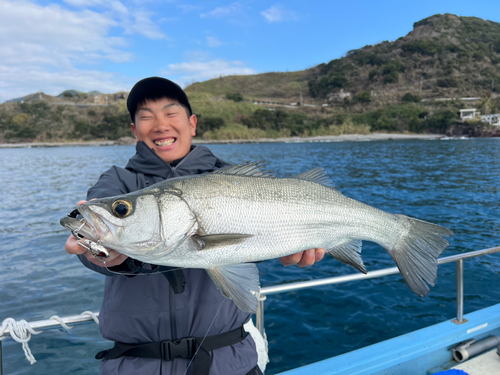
199 160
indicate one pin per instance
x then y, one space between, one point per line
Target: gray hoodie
143 308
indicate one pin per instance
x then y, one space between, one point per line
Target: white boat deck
485 364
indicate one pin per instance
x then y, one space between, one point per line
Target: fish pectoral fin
238 282
350 254
207 241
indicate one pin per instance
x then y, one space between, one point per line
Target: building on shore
491 119
469 114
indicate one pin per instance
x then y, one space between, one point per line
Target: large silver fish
223 220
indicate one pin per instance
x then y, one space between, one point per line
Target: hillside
443 56
394 86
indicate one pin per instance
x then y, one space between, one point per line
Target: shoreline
326 138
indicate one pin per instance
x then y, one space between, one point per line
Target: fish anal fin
237 282
349 253
208 241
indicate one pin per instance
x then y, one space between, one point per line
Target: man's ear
132 126
192 124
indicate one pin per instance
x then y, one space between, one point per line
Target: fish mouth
164 142
98 225
79 227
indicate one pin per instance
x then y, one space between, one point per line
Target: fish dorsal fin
247 169
317 175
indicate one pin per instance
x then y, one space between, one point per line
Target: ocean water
455 183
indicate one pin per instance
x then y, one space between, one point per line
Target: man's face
165 127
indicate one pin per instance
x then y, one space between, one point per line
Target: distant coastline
328 138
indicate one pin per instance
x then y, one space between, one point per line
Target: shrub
20 119
325 85
410 98
235 97
363 97
277 121
421 46
440 122
447 82
392 77
208 123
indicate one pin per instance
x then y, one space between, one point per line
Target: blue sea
455 183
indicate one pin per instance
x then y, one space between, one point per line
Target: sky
108 45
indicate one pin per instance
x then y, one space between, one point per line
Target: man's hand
304 258
114 259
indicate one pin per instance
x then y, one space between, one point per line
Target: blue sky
108 45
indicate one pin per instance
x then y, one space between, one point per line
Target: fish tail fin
416 252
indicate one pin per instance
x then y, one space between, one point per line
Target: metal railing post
1 359
259 317
460 293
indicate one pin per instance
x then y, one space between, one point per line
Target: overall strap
183 348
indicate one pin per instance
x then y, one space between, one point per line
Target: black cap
155 88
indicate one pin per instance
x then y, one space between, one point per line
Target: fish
227 220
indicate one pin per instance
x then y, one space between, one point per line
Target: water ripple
453 183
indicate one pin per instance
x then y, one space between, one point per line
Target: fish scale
224 220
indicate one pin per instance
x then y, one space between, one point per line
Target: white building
469 114
339 96
492 119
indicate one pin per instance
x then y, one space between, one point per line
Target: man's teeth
167 142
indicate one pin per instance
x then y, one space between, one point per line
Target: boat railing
264 292
459 259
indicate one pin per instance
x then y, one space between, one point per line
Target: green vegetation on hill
374 88
44 122
443 56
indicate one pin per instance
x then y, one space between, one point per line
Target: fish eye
121 208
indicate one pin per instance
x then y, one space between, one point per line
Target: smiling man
158 316
166 125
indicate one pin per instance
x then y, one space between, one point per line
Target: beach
326 138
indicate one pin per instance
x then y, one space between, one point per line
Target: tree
235 97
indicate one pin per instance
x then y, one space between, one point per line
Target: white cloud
135 21
186 8
55 36
47 42
16 83
87 3
221 12
144 26
196 55
213 42
278 14
187 72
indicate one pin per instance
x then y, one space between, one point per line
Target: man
159 317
